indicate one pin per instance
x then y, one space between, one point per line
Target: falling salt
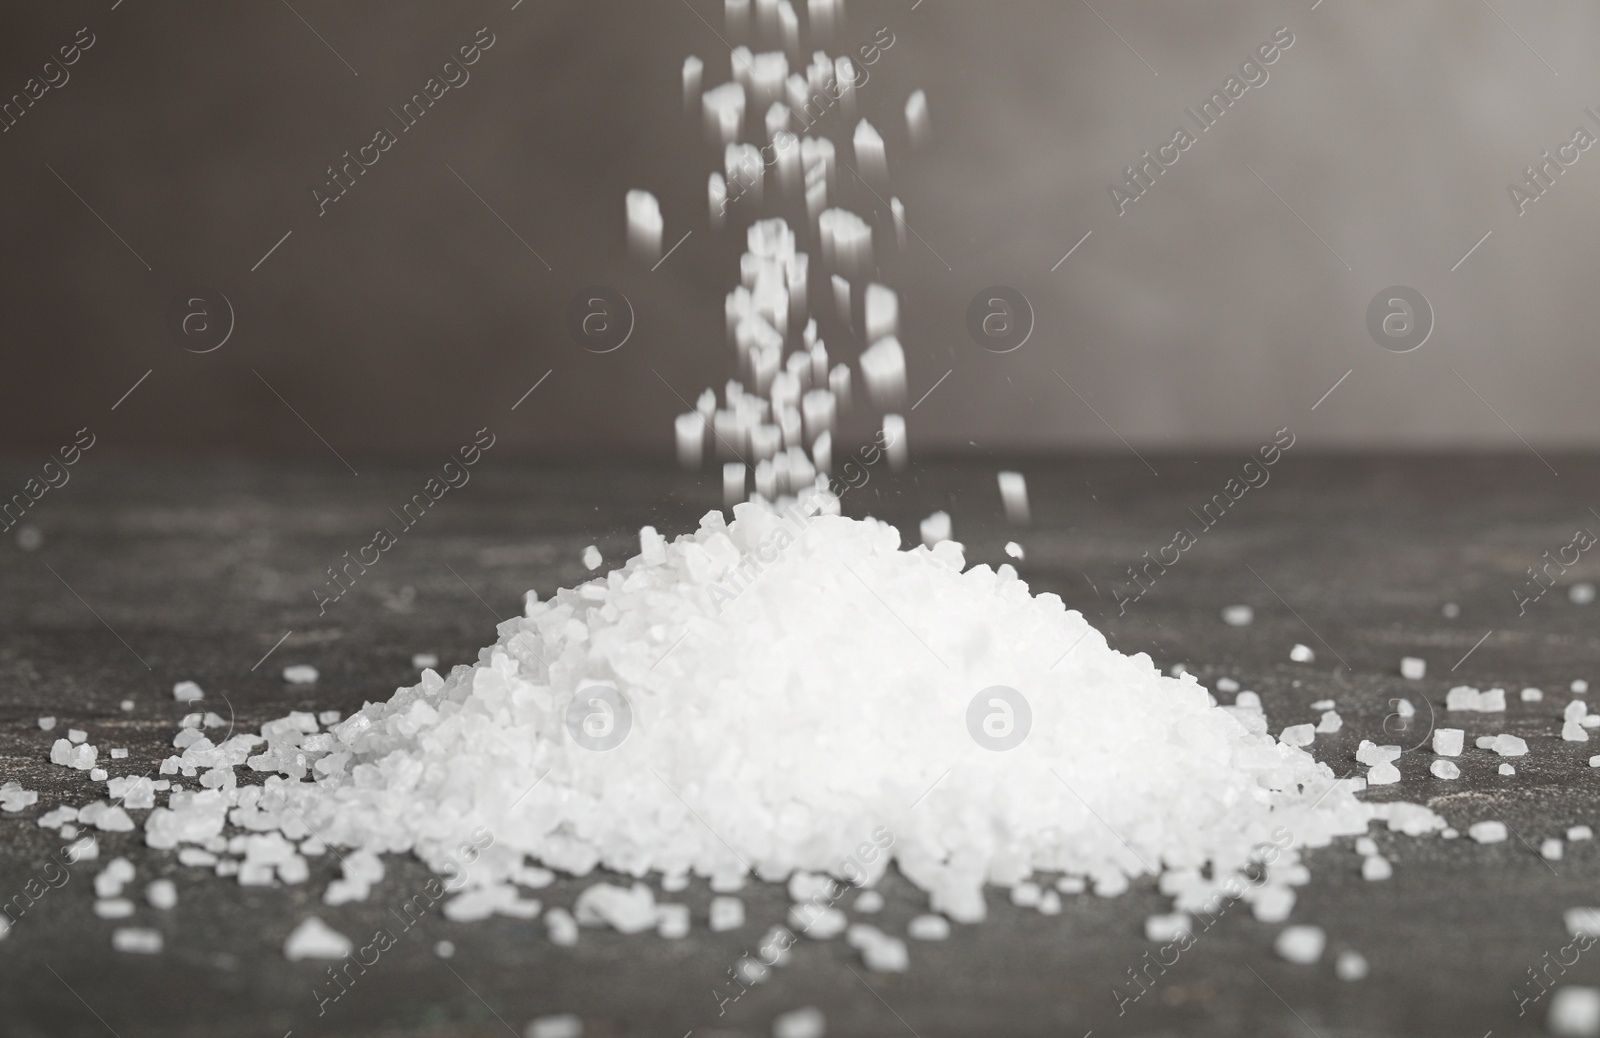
300 674
591 558
1014 550
1014 496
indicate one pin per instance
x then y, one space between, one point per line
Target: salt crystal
1300 944
162 894
1227 685
563 1025
136 940
1164 928
1238 615
187 692
1487 832
1532 695
1302 654
1579 686
672 921
1014 497
113 908
591 558
727 913
119 753
1247 700
127 706
1551 849
444 949
1366 846
917 125
928 928
1350 966
1445 769
563 929
1506 769
1014 549
1508 746
1413 667
1383 775
936 528
1574 1012
868 902
1580 832
1376 868
47 724
77 736
1581 593
300 674
800 1023
1298 735
1330 722
314 939
645 223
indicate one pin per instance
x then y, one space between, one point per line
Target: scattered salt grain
1581 593
47 724
1487 832
300 674
1298 735
187 692
1366 846
1385 774
1445 769
119 753
1330 722
1350 966
563 929
1050 903
1014 549
1247 700
1014 496
162 894
77 736
1506 769
563 1025
1371 754
880 952
127 706
1301 944
800 1023
727 913
936 528
1532 695
868 902
113 908
1302 654
1376 868
1238 615
1164 928
1227 685
1551 849
1465 697
445 949
1580 832
136 940
672 921
1508 746
1413 667
591 558
14 798
1323 704
1579 686
1574 1012
314 939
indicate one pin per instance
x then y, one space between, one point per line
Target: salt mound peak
782 693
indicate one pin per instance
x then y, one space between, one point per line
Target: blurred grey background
181 147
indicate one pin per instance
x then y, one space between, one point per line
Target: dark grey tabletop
154 571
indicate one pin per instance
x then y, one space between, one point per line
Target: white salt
1413 667
1579 686
1301 944
1487 832
1302 654
1376 868
1445 769
314 939
136 940
1574 1012
162 894
917 124
424 661
1298 735
187 692
1330 722
800 1023
1551 849
1238 615
1581 593
47 723
928 928
868 902
1532 695
644 225
1580 832
1164 928
727 913
1014 550
1014 497
1350 966
1507 769
300 674
444 949
591 558
936 528
562 1025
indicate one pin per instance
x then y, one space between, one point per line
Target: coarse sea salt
564 747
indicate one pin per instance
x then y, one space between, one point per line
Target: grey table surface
151 571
